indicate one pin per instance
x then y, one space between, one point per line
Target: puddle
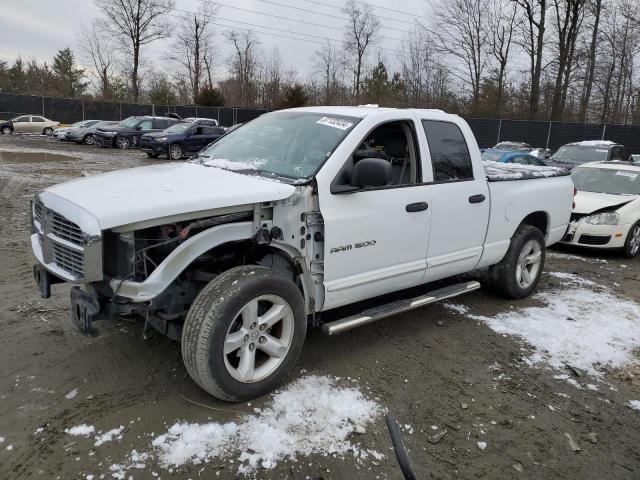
34 157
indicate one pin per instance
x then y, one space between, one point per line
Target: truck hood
590 202
146 193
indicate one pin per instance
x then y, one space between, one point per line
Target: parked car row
28 124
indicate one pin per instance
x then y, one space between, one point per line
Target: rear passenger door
459 202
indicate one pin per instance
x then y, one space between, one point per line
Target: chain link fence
69 110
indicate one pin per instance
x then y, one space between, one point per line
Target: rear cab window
450 156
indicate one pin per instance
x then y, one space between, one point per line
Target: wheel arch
539 220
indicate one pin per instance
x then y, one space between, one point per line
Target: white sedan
607 207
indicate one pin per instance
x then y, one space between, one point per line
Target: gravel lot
433 367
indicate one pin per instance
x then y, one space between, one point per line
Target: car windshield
178 128
607 180
492 156
130 122
510 147
284 144
580 154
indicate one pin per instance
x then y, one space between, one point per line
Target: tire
518 273
175 151
7 130
631 247
152 155
47 131
123 142
88 139
216 319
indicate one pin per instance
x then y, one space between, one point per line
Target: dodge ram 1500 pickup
239 251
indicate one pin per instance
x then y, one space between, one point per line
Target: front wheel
632 243
244 333
518 273
48 131
175 152
123 142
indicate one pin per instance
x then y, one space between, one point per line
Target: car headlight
161 139
604 218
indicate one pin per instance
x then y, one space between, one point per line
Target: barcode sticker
335 123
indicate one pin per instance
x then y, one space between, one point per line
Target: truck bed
501 172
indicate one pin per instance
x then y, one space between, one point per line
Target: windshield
285 144
178 128
492 155
577 154
129 122
510 147
607 180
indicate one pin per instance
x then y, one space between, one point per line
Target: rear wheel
48 131
88 139
244 333
7 130
632 244
175 151
123 142
518 273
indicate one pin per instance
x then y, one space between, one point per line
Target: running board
398 306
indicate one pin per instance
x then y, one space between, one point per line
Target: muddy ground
422 365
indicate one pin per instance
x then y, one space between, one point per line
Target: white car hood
145 193
588 202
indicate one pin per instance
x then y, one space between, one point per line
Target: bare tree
535 13
193 44
329 66
136 23
596 9
98 49
244 63
503 20
568 14
362 31
462 29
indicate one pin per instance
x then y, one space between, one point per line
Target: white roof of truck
372 110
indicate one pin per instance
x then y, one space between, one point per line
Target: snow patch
482 445
581 327
518 171
108 436
83 430
567 256
313 415
456 307
634 404
72 394
572 278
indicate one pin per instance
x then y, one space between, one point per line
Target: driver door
21 124
376 238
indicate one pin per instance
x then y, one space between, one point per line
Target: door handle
476 198
416 207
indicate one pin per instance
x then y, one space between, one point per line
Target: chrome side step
398 306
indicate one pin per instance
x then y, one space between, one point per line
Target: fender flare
179 259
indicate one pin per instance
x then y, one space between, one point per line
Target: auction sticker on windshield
335 123
627 174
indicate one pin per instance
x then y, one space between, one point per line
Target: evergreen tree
67 77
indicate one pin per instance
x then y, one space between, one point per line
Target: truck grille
65 229
38 210
68 259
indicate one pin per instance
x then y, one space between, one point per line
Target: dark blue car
506 156
180 140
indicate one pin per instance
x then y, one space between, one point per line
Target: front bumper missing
85 309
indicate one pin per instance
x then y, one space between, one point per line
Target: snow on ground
456 307
72 394
635 404
110 435
313 415
567 256
581 325
83 430
571 277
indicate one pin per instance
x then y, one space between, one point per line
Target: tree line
572 60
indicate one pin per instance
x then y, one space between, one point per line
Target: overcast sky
39 28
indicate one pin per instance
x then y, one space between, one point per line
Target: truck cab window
449 153
394 142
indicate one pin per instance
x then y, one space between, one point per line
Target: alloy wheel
528 265
258 339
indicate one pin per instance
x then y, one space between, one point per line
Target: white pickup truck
238 251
